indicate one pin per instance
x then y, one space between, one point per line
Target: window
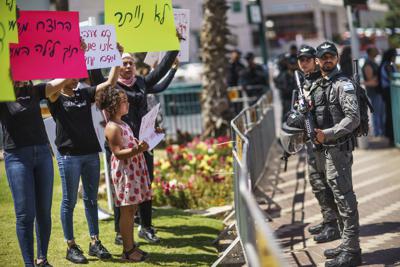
237 6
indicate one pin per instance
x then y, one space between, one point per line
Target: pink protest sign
48 48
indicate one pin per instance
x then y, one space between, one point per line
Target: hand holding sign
143 146
147 132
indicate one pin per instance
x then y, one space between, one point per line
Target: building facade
288 21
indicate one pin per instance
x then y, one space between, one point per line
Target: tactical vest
326 110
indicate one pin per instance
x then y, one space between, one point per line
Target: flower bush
198 174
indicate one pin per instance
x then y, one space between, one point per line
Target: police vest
327 111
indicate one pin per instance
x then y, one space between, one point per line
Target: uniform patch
348 87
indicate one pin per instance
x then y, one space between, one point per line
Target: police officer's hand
320 136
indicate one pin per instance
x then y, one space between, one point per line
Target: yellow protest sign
8 34
143 25
8 20
7 88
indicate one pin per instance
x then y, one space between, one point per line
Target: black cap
326 47
306 51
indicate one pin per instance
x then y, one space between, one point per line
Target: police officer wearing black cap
336 113
328 229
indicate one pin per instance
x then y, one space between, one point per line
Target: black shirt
21 121
375 73
75 134
137 93
234 70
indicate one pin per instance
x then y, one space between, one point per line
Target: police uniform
328 229
336 112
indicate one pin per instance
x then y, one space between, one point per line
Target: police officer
328 229
337 116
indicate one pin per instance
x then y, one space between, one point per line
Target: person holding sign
29 166
77 156
129 174
137 88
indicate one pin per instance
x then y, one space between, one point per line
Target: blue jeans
30 176
71 169
379 114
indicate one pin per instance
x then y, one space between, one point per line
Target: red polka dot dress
130 177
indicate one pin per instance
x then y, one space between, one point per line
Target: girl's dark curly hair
109 99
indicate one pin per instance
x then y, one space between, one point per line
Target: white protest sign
182 24
147 132
151 58
101 51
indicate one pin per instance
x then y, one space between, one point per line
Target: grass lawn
186 239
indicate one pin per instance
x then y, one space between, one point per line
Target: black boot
316 229
333 252
345 259
329 233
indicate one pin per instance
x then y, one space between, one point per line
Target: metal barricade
253 133
181 109
181 106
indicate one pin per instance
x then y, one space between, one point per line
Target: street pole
261 30
355 51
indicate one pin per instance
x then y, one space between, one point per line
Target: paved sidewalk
376 179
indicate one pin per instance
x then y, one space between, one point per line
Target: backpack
363 104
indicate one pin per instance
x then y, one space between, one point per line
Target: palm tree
214 38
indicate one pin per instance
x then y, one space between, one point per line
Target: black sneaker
75 255
118 240
149 235
44 263
99 251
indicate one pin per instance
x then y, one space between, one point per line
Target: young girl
129 172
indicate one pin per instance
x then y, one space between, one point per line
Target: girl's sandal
126 256
144 253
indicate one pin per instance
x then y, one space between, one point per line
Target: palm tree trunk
214 38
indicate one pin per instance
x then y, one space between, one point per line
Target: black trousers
389 120
145 208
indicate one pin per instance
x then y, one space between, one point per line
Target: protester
370 72
77 156
137 88
130 177
386 70
29 166
234 68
